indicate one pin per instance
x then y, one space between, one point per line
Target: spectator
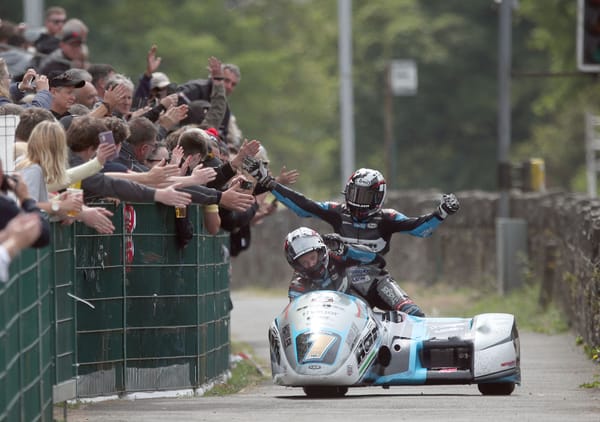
240 225
197 113
285 177
71 52
212 220
152 85
101 73
47 151
120 131
13 49
202 89
15 91
9 209
62 87
140 144
122 108
19 234
46 163
10 109
28 119
160 153
77 73
87 95
49 39
158 86
82 138
74 111
196 144
134 150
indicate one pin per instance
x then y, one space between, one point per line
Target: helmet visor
363 197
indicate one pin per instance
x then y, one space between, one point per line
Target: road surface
553 368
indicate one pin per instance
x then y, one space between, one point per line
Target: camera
246 185
4 187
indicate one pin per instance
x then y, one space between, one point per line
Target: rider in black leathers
361 219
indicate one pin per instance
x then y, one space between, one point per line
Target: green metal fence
118 313
25 342
156 317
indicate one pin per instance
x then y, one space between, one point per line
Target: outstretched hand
287 177
235 199
248 148
152 62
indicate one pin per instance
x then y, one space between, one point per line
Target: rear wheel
324 391
496 388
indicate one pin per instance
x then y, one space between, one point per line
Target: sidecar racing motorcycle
327 341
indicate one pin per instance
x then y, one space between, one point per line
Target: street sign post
401 80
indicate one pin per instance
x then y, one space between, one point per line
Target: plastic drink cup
75 192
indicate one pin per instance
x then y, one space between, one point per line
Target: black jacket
9 210
200 89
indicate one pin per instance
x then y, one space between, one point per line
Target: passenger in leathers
361 219
326 263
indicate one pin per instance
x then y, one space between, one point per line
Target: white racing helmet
302 241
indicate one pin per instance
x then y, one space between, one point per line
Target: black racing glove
448 205
334 243
258 170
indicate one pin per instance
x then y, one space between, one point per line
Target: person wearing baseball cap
62 86
72 51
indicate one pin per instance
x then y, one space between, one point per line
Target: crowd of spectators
87 126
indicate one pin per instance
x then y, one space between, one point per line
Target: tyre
324 391
496 388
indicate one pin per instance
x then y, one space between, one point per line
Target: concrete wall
563 232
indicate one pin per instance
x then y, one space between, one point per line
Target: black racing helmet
365 193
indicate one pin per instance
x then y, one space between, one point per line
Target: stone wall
563 233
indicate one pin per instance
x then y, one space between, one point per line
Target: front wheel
496 388
324 391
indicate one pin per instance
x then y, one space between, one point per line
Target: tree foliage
445 136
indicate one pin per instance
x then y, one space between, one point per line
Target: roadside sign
403 77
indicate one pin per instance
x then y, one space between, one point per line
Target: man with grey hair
232 76
123 107
202 89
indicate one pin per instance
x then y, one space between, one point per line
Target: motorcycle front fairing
323 338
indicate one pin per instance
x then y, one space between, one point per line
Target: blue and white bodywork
327 341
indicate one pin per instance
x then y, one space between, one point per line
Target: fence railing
110 314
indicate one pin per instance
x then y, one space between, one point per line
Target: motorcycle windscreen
321 328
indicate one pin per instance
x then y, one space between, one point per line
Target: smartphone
108 138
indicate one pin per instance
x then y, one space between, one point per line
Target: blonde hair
47 147
4 89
